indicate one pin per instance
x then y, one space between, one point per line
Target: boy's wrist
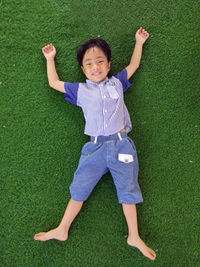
50 59
138 43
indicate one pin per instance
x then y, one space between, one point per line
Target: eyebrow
89 59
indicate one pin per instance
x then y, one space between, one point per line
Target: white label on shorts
125 158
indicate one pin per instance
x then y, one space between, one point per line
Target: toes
38 236
151 255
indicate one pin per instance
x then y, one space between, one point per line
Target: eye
88 64
100 61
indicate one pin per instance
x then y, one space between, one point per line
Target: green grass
41 135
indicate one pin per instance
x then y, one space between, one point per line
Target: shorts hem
78 199
130 202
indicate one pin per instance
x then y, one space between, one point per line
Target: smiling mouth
96 73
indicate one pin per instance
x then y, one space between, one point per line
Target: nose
95 66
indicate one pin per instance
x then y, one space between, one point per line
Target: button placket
103 94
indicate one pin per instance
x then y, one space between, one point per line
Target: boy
107 123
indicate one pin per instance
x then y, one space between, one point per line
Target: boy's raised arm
49 52
141 36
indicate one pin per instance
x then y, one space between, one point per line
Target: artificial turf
41 135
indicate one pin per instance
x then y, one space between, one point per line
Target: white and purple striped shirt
102 103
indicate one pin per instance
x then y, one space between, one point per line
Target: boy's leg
133 235
85 179
61 232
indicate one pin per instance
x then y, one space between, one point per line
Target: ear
109 65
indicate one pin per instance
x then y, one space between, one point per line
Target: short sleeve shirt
102 104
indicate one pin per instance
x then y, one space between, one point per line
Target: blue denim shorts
115 153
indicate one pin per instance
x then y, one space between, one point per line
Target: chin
98 79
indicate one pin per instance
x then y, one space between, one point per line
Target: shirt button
106 125
104 96
105 110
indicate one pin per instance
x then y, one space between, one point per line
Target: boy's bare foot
56 233
146 251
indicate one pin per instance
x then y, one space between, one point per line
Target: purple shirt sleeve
122 76
71 90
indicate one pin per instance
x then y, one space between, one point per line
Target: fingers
142 32
48 48
139 31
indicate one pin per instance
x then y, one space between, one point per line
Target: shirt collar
97 83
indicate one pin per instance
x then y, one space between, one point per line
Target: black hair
100 43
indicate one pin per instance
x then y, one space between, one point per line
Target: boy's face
95 64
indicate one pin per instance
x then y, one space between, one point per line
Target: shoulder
71 86
71 92
122 77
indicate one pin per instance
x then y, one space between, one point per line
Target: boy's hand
141 36
49 51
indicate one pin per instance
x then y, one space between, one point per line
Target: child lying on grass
107 124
